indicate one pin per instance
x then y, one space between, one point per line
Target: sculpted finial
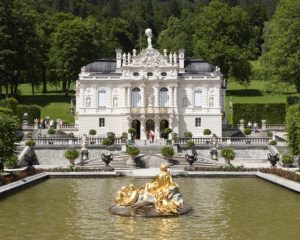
148 33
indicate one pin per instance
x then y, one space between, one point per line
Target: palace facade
150 91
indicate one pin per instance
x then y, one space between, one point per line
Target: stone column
175 104
156 128
263 125
109 97
143 128
171 121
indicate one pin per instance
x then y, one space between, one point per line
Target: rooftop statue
148 33
160 197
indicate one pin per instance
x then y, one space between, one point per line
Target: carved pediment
149 58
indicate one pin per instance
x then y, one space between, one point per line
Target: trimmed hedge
273 113
293 128
33 111
291 100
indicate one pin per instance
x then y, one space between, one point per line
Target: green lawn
256 92
53 104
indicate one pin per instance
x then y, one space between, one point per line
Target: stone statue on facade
84 142
148 33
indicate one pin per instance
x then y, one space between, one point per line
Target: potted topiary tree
287 160
190 144
124 137
168 153
132 152
111 136
107 142
247 131
188 135
167 132
30 143
71 154
92 133
175 138
132 131
228 154
51 131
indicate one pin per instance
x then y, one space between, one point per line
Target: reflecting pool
71 209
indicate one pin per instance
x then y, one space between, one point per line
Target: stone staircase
181 163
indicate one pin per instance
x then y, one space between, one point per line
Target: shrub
33 111
293 129
92 132
111 135
30 143
12 161
272 112
131 130
188 135
167 130
107 142
71 154
133 151
287 159
282 173
206 131
5 110
273 142
190 144
124 137
247 131
29 135
228 153
169 142
291 100
167 152
51 131
175 137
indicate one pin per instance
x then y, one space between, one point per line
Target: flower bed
12 177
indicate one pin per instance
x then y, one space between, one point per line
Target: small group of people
46 123
150 136
252 126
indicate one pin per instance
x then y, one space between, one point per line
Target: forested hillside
47 41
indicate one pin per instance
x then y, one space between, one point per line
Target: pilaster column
156 95
175 104
171 121
124 96
143 128
128 96
156 128
170 93
143 95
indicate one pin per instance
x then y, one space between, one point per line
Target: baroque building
150 91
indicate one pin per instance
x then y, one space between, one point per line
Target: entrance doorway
136 124
150 125
163 125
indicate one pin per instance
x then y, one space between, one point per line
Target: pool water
223 208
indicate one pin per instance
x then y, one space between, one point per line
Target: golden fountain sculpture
160 197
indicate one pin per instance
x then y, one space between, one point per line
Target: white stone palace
150 91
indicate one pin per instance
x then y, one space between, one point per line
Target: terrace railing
76 141
275 127
229 140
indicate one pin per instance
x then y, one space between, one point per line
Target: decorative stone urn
190 159
273 159
107 158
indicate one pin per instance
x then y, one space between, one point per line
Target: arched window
163 97
88 102
102 98
136 97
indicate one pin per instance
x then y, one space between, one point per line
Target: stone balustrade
275 127
229 140
76 141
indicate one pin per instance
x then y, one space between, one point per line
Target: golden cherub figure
162 192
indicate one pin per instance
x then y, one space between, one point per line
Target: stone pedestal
214 154
84 156
123 147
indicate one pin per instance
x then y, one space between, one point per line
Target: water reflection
72 209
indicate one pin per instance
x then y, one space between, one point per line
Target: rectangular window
198 122
102 98
198 99
101 122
